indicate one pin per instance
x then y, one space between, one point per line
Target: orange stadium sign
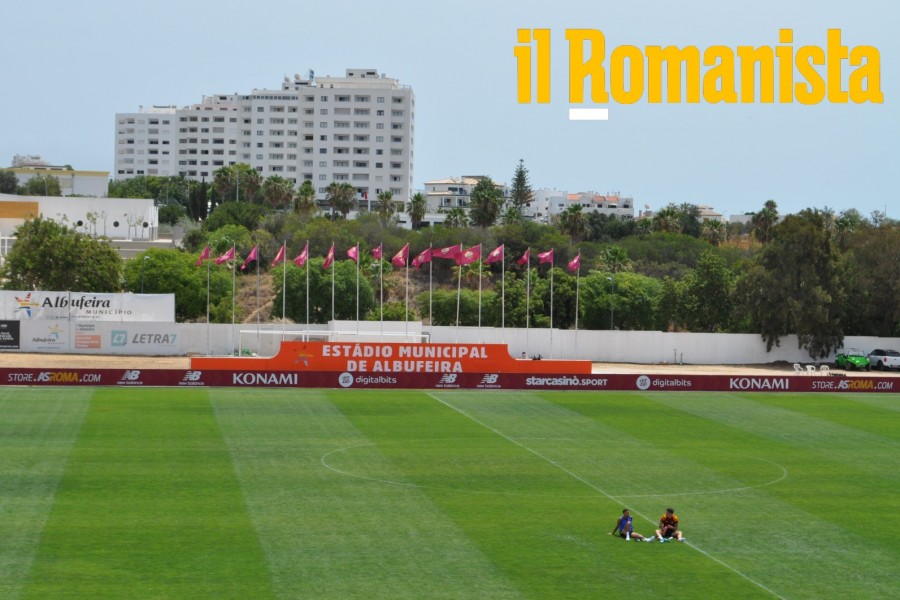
369 357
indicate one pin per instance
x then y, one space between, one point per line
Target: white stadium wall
182 339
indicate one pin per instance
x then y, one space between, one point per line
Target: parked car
852 359
884 359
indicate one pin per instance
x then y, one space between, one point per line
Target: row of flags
401 259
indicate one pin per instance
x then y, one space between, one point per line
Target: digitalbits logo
643 382
345 379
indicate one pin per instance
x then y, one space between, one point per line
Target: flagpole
332 282
430 317
357 291
458 287
283 287
207 308
233 265
381 290
503 290
527 297
258 335
406 314
479 287
551 305
577 278
306 325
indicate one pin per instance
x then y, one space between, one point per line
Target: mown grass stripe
149 507
38 427
327 535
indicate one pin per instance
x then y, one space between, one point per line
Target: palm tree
456 218
714 232
667 219
224 183
485 203
764 220
416 209
340 197
277 191
573 222
614 259
306 203
385 207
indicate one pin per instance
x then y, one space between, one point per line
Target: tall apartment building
358 129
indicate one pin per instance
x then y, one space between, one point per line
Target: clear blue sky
70 66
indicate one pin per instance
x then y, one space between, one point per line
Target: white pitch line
600 491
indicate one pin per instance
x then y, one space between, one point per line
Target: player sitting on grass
668 527
623 526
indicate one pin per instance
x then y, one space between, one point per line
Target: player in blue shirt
624 527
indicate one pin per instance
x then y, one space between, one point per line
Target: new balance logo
192 376
447 378
489 379
131 375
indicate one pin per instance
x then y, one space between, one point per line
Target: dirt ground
95 361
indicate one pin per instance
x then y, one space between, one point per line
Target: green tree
456 218
306 204
8 181
320 297
41 185
341 197
170 214
416 208
50 256
386 207
706 295
667 219
871 276
795 287
520 192
234 213
277 191
573 223
175 272
714 232
239 182
764 220
485 203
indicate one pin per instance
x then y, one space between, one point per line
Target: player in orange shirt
668 527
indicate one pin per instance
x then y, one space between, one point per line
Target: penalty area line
598 490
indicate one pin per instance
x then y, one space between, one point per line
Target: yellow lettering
865 82
635 87
785 66
749 57
723 73
836 55
523 66
674 57
580 69
806 57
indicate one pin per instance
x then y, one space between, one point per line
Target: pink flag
353 253
546 257
301 258
282 252
254 254
575 263
226 257
496 255
469 255
400 259
526 258
422 258
329 258
203 256
448 252
376 252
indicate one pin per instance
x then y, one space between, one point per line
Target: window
323 111
323 163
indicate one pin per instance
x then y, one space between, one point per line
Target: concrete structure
614 204
358 129
443 195
71 182
116 218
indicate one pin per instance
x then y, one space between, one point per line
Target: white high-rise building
357 129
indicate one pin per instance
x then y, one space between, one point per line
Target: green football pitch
224 493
